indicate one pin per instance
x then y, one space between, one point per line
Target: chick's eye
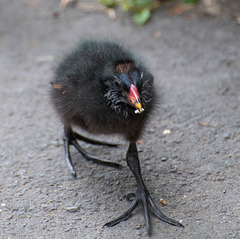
117 84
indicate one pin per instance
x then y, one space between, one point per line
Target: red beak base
134 99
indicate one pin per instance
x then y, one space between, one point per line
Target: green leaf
125 6
108 3
142 17
140 3
135 5
190 1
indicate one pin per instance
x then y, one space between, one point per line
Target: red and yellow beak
134 99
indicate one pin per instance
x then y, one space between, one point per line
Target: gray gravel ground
194 168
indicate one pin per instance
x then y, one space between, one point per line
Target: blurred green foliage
141 8
190 1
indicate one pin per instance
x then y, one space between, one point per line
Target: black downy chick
104 89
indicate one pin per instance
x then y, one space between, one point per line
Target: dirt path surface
190 152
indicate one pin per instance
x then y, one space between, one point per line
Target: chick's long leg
93 141
141 196
70 139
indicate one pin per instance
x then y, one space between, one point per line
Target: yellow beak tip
139 109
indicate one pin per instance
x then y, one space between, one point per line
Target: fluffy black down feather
84 92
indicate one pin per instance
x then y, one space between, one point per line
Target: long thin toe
124 216
93 158
104 162
146 214
93 141
160 215
74 174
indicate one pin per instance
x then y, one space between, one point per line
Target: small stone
138 226
166 131
72 208
43 146
138 233
164 158
107 176
149 168
220 178
44 206
172 170
174 156
226 136
56 143
163 202
68 229
9 217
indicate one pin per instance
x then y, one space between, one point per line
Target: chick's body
104 88
83 90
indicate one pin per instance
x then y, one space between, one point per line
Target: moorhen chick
104 89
